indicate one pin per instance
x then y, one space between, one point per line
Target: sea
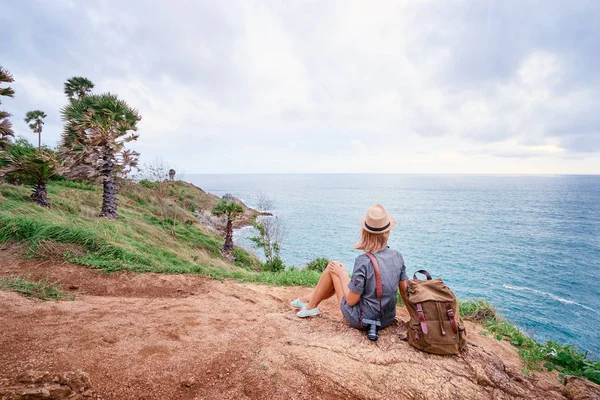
528 244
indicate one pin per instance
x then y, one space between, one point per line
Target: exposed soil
186 337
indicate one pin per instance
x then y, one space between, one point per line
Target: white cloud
252 86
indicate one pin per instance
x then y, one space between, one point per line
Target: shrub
246 260
318 264
276 265
477 309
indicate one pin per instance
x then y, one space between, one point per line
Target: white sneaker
303 313
297 303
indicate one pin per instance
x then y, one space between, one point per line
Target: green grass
156 231
289 277
40 289
153 233
566 359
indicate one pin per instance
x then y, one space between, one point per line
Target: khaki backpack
435 325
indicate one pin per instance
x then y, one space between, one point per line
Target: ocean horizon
530 244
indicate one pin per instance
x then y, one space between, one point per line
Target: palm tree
171 174
93 143
231 210
78 87
35 119
34 167
5 124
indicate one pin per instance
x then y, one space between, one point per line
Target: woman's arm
402 285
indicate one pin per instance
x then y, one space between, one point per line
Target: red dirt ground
148 336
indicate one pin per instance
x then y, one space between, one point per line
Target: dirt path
186 337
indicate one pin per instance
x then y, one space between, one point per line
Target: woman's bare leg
323 290
327 286
339 283
306 298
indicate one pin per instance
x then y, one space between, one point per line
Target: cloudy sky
324 86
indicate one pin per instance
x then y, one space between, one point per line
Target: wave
552 296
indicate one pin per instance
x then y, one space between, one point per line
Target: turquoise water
529 244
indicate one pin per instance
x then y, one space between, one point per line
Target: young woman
361 289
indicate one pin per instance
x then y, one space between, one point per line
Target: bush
276 265
246 260
318 264
477 309
148 184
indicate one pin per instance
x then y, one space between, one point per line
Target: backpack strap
422 271
422 318
451 317
378 286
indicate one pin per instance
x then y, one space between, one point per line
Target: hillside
175 320
157 230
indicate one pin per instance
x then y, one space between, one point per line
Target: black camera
372 326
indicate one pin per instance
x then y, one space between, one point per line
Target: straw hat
377 220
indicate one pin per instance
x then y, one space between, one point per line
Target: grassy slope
150 235
156 231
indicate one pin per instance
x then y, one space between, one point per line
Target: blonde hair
371 242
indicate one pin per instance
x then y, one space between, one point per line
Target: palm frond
39 165
78 87
5 75
97 126
6 128
8 91
230 209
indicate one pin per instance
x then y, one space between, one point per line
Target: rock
32 376
78 380
230 197
188 382
577 388
110 339
44 385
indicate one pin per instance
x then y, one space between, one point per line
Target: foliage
230 209
268 238
96 130
276 265
19 149
479 310
35 119
6 130
566 359
93 143
244 260
30 167
318 264
34 168
40 289
77 87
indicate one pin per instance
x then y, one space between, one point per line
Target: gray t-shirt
393 270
